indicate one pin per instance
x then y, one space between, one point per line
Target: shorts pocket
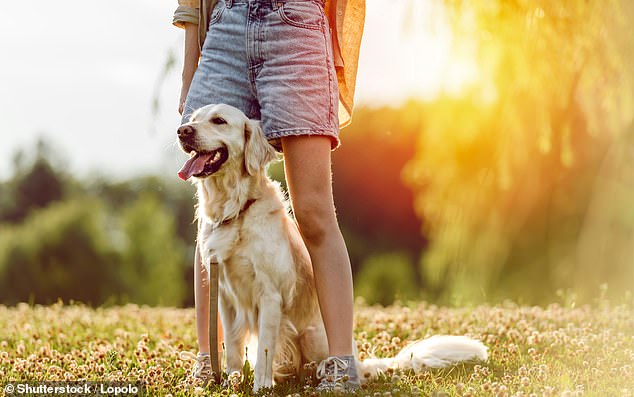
216 13
302 14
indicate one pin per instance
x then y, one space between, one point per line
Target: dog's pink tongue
194 166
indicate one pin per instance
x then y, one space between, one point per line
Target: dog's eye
218 120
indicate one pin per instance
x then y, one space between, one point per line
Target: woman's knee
315 220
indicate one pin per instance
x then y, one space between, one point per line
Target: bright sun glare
439 63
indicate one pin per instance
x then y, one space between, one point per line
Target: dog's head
219 136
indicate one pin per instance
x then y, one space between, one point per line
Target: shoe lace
332 370
202 366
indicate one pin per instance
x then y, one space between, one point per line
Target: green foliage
505 175
36 183
76 250
386 277
64 251
151 258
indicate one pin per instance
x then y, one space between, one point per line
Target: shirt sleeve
187 11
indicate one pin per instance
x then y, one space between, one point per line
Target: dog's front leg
235 330
270 317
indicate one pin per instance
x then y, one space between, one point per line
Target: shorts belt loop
229 3
276 4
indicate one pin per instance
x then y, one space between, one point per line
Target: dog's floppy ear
257 151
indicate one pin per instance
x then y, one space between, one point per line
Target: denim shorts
272 59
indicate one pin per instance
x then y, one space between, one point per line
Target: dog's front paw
261 382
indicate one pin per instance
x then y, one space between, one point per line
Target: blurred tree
374 207
176 196
64 251
177 200
152 261
33 186
504 174
386 277
605 250
58 239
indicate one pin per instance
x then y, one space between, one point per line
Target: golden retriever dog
266 285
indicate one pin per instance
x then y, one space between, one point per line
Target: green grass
553 351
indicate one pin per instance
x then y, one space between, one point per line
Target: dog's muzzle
201 163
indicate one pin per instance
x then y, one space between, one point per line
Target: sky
82 75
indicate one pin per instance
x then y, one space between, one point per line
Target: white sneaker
202 367
338 373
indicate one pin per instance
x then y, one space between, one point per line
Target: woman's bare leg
307 164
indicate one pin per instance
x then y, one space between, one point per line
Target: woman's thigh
308 176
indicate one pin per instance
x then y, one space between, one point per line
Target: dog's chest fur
254 254
237 271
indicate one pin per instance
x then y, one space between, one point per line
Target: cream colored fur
266 285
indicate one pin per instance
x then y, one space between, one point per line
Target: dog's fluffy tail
435 352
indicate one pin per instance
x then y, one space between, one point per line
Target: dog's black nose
185 131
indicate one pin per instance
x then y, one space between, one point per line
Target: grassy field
553 351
